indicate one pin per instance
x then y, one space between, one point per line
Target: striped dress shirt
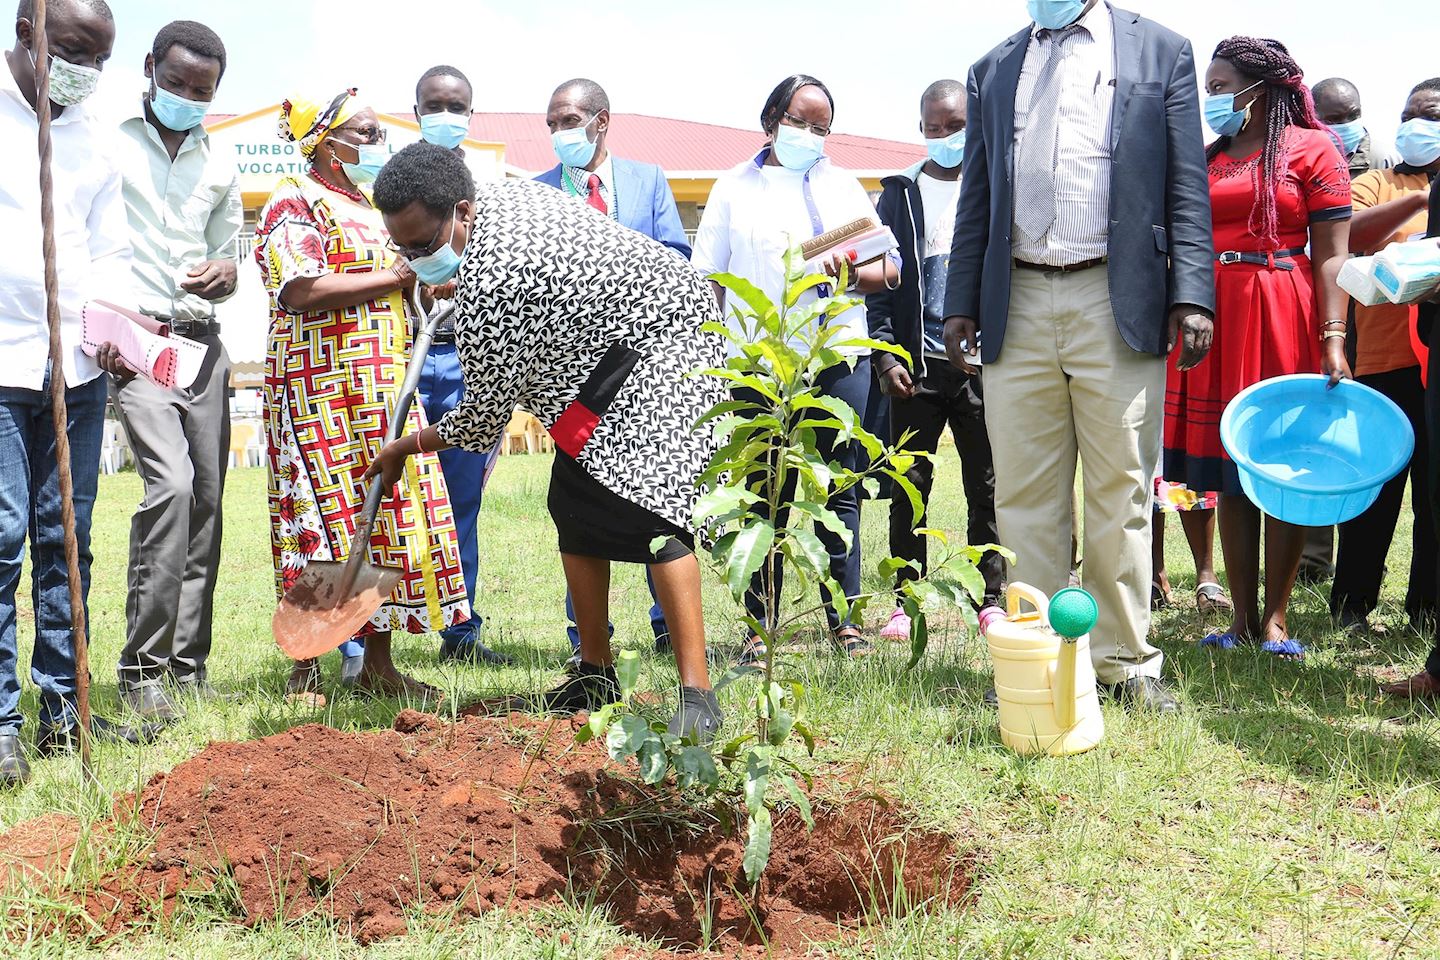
1086 77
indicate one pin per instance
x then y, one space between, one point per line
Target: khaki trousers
1066 384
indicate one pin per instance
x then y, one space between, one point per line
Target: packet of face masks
1357 278
1408 272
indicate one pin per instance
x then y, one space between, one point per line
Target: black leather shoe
1143 693
589 689
52 740
150 702
14 771
473 652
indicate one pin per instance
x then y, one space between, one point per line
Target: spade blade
321 610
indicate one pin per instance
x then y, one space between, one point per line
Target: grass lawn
1286 812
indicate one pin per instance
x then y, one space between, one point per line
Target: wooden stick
57 389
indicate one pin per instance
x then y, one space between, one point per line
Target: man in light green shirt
185 214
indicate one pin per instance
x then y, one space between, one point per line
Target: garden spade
332 599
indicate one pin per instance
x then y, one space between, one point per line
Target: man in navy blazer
1082 255
633 193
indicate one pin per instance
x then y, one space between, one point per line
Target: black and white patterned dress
594 328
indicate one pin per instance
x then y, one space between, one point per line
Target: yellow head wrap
305 121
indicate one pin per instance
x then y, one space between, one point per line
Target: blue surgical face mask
574 146
1054 14
442 265
1418 141
444 129
797 149
947 151
175 112
1221 114
372 158
1350 134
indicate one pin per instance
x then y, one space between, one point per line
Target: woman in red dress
1278 184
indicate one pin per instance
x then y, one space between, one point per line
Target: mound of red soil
457 819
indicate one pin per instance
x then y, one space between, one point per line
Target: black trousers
946 397
1365 541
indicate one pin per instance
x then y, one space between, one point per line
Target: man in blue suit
1082 256
635 194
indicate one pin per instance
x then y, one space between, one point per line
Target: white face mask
70 83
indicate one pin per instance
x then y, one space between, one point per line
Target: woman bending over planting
593 328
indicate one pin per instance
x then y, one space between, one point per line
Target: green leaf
933 533
826 517
809 552
972 580
806 734
627 669
782 720
802 802
757 844
745 554
876 346
626 737
757 779
718 500
890 566
696 767
596 723
725 408
919 631
794 263
917 503
753 297
737 673
653 760
806 283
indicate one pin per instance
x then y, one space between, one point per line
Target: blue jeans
442 387
30 506
853 387
657 619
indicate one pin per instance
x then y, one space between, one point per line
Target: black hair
591 96
1335 87
195 37
784 92
425 173
26 10
940 90
443 70
1433 84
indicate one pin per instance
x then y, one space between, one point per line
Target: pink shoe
898 628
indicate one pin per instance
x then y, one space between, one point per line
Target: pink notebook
145 343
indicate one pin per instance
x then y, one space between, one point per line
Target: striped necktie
1035 180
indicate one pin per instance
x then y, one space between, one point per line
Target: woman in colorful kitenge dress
1280 201
337 352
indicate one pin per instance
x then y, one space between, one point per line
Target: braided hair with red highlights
1288 104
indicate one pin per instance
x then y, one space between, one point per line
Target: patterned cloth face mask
70 83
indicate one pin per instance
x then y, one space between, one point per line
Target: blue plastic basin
1313 456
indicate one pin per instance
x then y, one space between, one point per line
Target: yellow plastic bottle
1046 683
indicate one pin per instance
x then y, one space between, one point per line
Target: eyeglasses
416 253
369 135
800 123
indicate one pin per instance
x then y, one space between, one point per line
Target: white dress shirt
755 213
92 239
181 213
1086 75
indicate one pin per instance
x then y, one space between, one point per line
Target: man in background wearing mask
1391 206
928 393
635 194
444 102
183 203
92 258
1337 103
1083 255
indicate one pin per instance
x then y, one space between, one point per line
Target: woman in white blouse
786 194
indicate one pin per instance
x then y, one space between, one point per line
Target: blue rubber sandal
1284 648
1225 641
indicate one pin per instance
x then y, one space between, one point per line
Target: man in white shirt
92 258
184 210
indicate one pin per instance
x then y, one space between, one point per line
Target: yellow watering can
1043 674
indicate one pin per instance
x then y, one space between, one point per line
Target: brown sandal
852 643
1210 598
